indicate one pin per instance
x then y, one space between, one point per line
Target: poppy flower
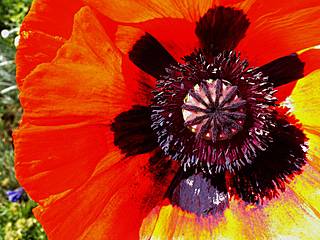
171 119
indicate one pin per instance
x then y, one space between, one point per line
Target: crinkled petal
53 160
179 40
306 187
139 10
114 202
256 9
83 83
173 223
43 31
274 35
65 138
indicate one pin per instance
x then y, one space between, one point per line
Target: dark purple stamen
213 113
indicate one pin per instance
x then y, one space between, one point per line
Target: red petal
83 83
43 31
284 91
126 37
311 58
52 160
65 157
256 9
114 202
139 11
172 40
176 35
278 34
134 75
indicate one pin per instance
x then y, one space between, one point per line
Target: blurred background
16 218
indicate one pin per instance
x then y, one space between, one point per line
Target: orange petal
43 31
134 75
52 160
135 199
134 11
89 200
274 35
139 11
126 37
172 40
114 202
256 9
83 83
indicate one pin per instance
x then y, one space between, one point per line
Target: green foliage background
16 219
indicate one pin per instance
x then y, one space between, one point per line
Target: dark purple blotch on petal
222 28
161 165
150 56
132 131
283 70
272 169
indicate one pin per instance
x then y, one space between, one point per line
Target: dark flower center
216 117
213 113
213 110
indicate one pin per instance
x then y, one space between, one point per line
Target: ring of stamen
213 113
